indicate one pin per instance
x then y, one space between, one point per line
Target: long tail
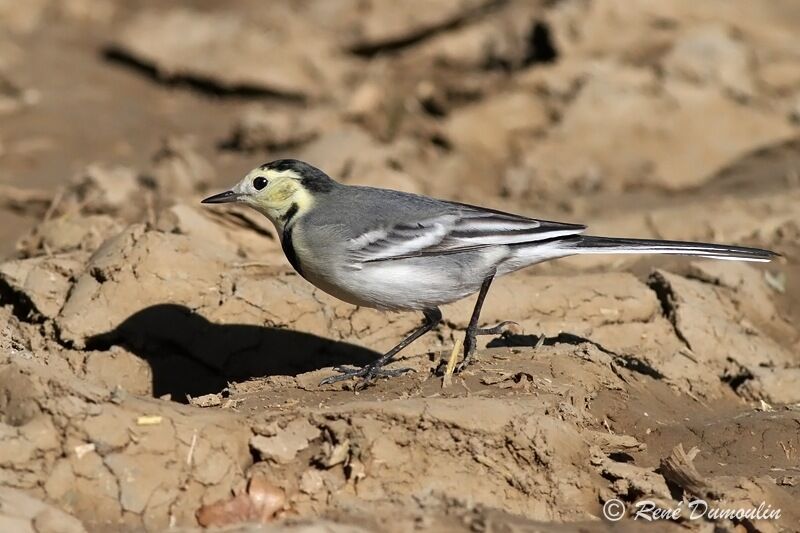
588 244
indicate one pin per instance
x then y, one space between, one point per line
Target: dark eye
259 183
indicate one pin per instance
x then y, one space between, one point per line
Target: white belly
408 284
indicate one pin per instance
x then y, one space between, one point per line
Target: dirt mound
545 417
160 361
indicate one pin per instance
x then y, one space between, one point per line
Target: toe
499 328
345 373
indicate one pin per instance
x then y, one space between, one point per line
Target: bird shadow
533 341
515 340
190 355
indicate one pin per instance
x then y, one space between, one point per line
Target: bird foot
469 356
366 373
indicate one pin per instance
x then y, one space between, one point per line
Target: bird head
279 189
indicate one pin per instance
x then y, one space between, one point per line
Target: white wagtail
397 251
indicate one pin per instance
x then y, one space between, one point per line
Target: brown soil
159 361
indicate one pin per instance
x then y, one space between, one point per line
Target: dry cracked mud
160 361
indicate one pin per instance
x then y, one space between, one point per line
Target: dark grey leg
375 369
473 330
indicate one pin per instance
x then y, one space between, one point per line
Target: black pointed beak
221 198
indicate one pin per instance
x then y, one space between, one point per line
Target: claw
465 362
460 367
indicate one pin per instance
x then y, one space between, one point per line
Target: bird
398 251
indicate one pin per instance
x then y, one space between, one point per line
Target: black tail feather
583 244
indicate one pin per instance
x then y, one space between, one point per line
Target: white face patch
283 190
246 187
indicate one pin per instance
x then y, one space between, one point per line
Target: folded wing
459 229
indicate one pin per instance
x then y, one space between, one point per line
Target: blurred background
675 119
573 108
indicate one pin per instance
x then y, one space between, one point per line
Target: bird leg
473 330
375 369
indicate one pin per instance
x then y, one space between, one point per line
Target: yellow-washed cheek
282 193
